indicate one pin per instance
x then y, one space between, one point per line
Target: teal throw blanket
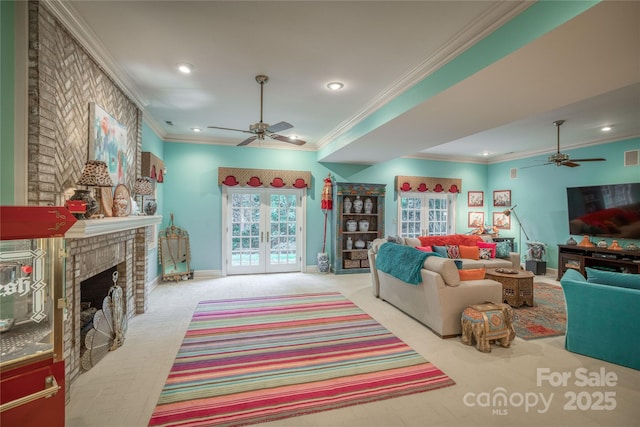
402 262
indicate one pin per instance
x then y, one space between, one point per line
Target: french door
263 230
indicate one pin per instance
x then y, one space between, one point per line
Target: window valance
428 184
263 178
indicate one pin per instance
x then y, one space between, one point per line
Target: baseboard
207 274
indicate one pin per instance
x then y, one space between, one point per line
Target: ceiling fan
260 129
562 159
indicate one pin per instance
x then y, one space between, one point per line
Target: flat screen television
605 210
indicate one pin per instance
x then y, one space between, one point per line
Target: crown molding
79 29
493 18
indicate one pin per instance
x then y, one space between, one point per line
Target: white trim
96 227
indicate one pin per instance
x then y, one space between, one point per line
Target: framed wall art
108 142
501 221
475 199
476 219
502 198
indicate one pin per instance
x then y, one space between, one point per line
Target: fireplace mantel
96 227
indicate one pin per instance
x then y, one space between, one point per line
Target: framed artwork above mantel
108 142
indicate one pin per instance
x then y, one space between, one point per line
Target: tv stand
579 257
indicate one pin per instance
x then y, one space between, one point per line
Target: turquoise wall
192 193
7 83
540 192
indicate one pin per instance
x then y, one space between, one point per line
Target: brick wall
63 80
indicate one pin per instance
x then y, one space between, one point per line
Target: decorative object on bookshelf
615 246
347 205
358 205
368 205
363 225
631 247
602 243
360 244
352 225
571 241
349 243
586 242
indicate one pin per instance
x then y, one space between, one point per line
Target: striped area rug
252 360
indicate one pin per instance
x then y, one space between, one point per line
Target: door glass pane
411 216
26 298
282 241
245 229
438 214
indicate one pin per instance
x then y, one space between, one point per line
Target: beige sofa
438 301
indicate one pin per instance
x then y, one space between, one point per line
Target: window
425 214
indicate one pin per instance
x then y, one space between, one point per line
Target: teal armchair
603 320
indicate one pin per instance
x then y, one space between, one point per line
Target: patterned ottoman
488 322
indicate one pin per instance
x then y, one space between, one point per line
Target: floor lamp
522 230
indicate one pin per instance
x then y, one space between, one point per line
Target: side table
517 288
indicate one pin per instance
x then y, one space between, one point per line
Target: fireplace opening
102 317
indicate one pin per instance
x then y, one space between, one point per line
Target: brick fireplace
93 246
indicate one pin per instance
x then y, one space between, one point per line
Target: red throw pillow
469 252
491 246
424 248
472 274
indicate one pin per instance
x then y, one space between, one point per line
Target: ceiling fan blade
237 130
569 163
287 139
248 140
279 127
535 166
595 159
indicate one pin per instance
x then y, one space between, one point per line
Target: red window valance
263 178
428 184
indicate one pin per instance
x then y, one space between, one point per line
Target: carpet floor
547 317
252 360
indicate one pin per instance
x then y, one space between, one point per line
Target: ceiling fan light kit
260 129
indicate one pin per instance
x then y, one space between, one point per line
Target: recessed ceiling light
196 129
185 68
335 85
605 128
293 137
485 153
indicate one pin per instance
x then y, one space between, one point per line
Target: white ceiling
586 71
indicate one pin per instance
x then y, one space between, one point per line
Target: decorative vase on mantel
85 196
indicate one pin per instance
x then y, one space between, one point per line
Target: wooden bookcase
355 260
